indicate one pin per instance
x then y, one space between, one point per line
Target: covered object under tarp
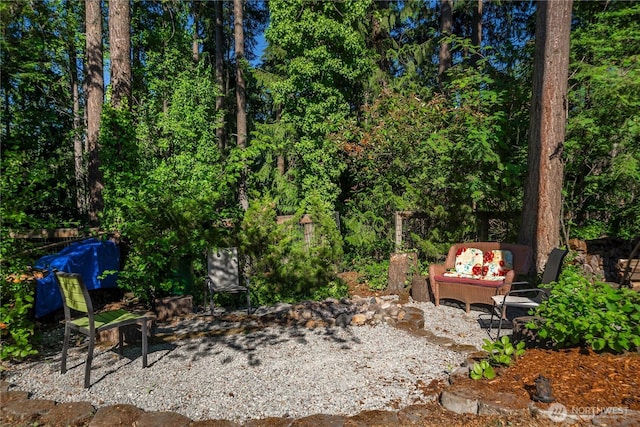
90 258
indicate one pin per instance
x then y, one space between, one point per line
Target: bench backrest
521 254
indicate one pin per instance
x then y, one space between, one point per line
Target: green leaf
489 373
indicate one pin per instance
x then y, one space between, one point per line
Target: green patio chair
75 296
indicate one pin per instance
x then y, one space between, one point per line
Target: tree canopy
346 114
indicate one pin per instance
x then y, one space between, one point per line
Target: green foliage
167 187
501 353
17 330
482 369
322 60
374 274
426 155
35 139
579 312
271 142
285 264
603 155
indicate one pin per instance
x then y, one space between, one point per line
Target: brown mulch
579 377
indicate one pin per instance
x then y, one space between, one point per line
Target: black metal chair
530 297
75 296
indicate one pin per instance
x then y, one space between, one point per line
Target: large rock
116 415
69 414
162 419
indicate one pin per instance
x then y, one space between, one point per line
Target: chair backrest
223 268
554 265
75 295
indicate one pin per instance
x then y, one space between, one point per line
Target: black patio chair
530 297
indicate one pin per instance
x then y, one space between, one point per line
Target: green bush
17 330
374 274
284 266
581 313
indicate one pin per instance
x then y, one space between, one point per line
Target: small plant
482 369
501 353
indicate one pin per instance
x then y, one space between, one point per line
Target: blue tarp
90 258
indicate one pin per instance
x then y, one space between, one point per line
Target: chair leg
211 305
503 314
65 348
120 341
493 313
144 342
87 368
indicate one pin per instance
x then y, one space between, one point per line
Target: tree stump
402 268
420 288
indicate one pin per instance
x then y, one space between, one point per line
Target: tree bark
446 25
195 44
540 227
241 115
78 152
120 47
78 130
219 31
476 31
95 98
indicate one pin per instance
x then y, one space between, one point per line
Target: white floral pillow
469 262
496 264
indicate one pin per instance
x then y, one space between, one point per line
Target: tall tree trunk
78 152
379 38
241 117
280 160
195 45
219 31
543 192
476 31
95 97
446 25
120 45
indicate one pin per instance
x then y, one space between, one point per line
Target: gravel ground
276 371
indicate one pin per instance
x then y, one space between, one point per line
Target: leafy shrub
579 312
374 274
482 369
168 186
17 330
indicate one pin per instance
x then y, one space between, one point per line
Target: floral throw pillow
469 262
496 264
